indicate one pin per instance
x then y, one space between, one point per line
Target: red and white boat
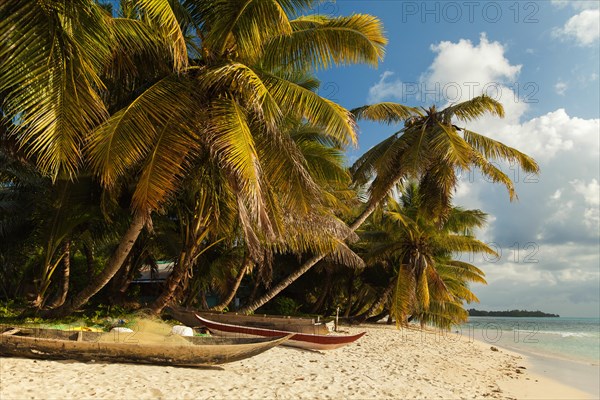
301 340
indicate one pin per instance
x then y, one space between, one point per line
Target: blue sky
541 60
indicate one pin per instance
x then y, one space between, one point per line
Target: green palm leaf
299 102
161 14
494 150
322 42
129 135
472 109
51 57
386 112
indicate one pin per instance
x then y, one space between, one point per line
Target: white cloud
543 137
583 27
464 62
560 88
385 89
557 212
577 4
463 70
590 191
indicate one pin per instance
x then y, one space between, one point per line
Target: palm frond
240 24
323 42
49 76
386 112
302 103
459 243
472 109
236 77
494 150
129 135
496 175
232 144
461 270
161 14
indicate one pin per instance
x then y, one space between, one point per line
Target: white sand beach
384 364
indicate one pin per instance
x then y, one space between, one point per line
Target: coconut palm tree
433 149
232 91
419 252
430 148
54 55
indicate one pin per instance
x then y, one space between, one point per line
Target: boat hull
300 340
85 346
300 325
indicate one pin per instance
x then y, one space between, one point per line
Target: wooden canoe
85 346
280 323
301 340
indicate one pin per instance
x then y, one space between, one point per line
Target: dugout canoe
300 340
85 346
279 323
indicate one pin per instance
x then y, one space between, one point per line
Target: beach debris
182 330
519 371
121 329
493 348
521 367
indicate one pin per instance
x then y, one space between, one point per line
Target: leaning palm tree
430 148
233 94
54 56
433 149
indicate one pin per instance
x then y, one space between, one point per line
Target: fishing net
146 331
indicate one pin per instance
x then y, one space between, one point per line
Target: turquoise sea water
576 339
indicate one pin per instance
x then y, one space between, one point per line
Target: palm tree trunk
89 259
275 290
113 265
254 292
61 296
324 293
179 270
350 295
238 280
382 299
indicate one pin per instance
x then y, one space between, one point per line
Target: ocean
574 339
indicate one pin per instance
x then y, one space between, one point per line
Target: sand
384 364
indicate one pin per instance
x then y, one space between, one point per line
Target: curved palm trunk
113 265
254 292
66 271
89 259
323 296
168 294
275 290
350 295
238 281
380 301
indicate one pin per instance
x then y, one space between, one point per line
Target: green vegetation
512 313
192 131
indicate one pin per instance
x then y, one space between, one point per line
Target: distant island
512 313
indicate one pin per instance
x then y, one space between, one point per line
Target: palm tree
430 148
232 91
53 56
433 149
420 251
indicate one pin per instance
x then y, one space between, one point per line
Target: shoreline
385 364
577 374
